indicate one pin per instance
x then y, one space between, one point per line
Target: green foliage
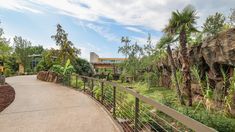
73 82
232 17
5 48
228 100
164 41
133 52
38 50
22 48
48 60
151 79
122 77
82 67
214 120
63 70
41 66
195 39
148 48
196 75
214 24
209 92
184 20
67 49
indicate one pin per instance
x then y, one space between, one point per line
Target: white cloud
152 14
103 32
135 29
18 5
143 40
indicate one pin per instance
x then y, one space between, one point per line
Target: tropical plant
164 43
67 69
196 74
182 24
228 100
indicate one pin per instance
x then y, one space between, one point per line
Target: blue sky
97 25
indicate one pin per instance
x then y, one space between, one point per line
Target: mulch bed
7 96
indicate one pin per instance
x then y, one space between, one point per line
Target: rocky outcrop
48 76
211 56
219 51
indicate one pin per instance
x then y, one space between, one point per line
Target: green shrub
122 77
216 121
73 82
7 72
151 79
110 77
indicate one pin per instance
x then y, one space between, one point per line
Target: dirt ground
7 96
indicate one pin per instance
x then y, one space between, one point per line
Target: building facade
104 63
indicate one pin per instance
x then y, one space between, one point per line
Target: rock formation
48 76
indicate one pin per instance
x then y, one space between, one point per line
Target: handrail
187 121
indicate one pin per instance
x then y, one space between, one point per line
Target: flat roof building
98 62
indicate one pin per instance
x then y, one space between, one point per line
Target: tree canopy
67 48
214 24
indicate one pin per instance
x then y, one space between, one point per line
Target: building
104 63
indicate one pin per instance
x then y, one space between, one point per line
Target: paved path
47 107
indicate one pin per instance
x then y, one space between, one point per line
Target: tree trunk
174 74
185 66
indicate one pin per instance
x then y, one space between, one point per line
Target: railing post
84 82
69 76
136 114
102 92
64 77
92 86
114 102
76 81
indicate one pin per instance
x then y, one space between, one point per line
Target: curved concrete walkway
47 107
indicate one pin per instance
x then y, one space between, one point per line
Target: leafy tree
82 67
164 43
49 58
148 48
67 49
232 17
182 24
22 50
214 24
36 50
5 49
6 58
126 48
133 52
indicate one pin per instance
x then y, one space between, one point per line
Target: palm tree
182 24
164 43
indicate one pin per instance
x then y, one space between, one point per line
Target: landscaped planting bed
7 96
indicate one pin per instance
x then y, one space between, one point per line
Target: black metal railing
134 112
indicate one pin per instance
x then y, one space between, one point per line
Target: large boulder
48 76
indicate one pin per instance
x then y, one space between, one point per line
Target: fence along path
139 113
